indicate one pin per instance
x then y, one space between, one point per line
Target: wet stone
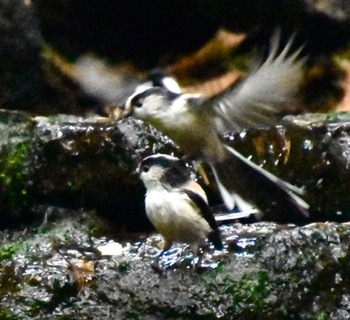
59 268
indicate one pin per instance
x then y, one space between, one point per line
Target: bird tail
244 181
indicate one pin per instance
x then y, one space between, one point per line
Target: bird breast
176 217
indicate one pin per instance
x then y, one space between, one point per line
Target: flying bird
195 124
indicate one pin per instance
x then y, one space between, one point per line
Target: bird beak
121 112
136 172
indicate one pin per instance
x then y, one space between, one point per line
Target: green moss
10 280
6 314
132 315
97 226
14 173
52 118
250 292
123 267
322 316
6 252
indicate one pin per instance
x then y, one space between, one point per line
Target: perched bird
175 204
195 124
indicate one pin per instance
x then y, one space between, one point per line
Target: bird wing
264 95
206 213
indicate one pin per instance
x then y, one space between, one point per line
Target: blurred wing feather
264 95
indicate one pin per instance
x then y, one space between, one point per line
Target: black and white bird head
159 78
162 170
158 83
149 102
164 109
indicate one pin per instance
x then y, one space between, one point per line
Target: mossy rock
69 161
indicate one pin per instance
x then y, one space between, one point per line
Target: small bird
176 205
195 125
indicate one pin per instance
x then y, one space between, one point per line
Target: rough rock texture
267 272
73 162
310 151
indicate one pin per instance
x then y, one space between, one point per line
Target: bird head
163 170
149 103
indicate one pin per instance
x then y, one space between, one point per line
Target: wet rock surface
309 151
62 268
73 162
65 160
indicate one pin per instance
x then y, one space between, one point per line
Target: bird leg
155 264
199 253
164 246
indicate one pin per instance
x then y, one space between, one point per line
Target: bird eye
145 169
138 103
